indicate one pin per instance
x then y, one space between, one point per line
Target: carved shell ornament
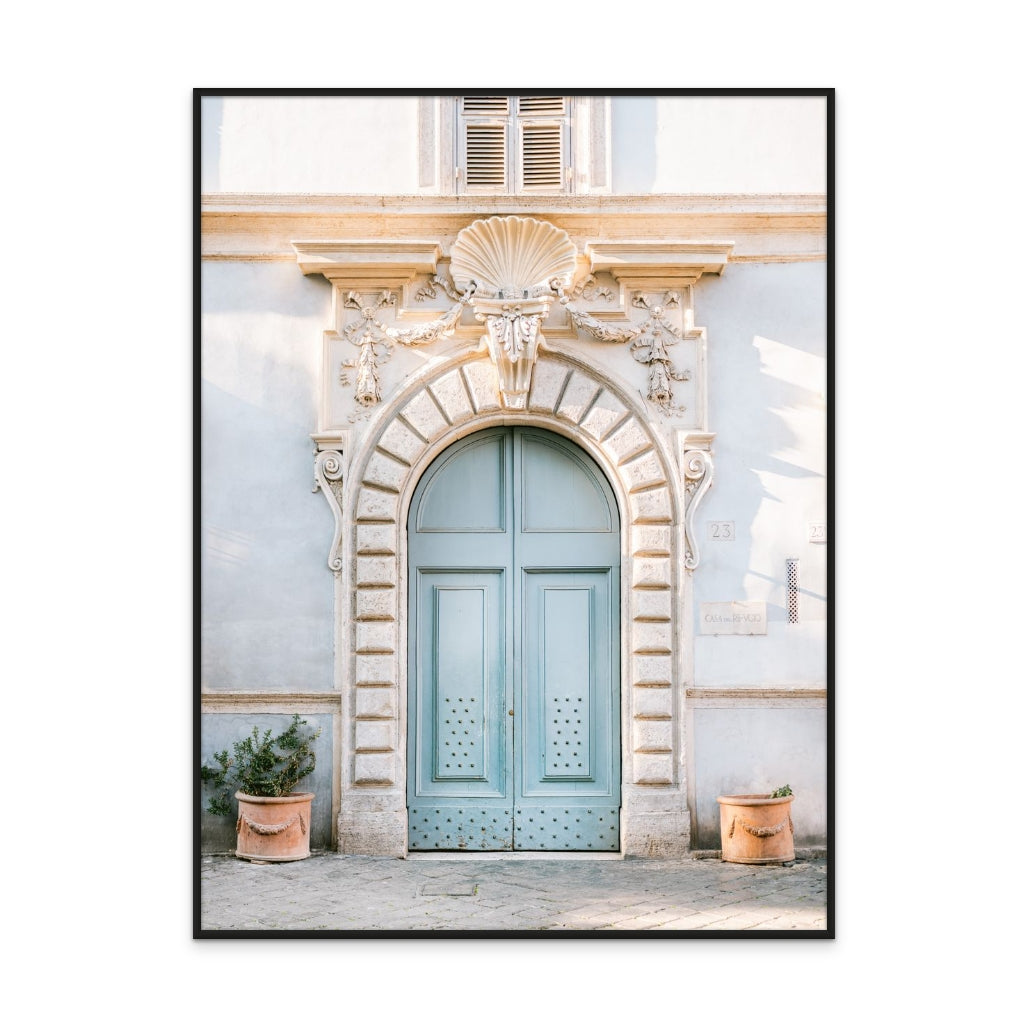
512 257
507 265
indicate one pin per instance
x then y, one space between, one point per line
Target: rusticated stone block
605 414
651 605
375 668
376 604
379 571
449 392
375 701
651 540
628 441
652 702
651 572
652 668
652 735
481 377
376 736
402 442
424 415
385 471
652 637
578 395
650 506
547 383
373 637
643 472
377 539
373 504
375 769
654 769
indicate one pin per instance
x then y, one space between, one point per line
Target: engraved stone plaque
732 618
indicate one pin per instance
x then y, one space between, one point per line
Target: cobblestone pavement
339 893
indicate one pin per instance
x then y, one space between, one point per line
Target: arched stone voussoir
434 410
565 395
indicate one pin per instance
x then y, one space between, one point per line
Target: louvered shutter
486 156
542 156
513 144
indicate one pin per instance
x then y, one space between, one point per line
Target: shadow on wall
633 153
767 385
768 407
267 594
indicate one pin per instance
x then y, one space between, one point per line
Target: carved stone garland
375 341
509 269
648 342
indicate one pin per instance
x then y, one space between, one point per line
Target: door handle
511 712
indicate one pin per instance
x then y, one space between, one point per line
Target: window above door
535 144
513 144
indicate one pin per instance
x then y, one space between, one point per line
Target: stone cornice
731 202
639 260
755 696
256 228
269 702
356 259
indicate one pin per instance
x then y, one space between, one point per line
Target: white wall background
369 144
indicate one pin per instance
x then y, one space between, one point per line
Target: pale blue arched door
514 664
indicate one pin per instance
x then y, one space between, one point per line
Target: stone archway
429 415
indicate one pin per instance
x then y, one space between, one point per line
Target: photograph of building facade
513 437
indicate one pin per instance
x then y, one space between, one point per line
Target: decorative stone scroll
698 478
329 478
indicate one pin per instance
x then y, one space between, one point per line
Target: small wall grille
793 590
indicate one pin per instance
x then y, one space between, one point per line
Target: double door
514 668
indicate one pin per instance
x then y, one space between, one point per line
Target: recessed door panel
559 492
467 496
514 694
462 685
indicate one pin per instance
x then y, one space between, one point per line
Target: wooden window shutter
511 144
542 156
486 156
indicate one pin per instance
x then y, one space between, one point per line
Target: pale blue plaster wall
267 594
766 328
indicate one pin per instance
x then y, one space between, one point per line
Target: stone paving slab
350 895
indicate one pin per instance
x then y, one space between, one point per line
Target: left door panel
459 738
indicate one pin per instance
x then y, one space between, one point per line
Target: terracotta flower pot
756 828
274 828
